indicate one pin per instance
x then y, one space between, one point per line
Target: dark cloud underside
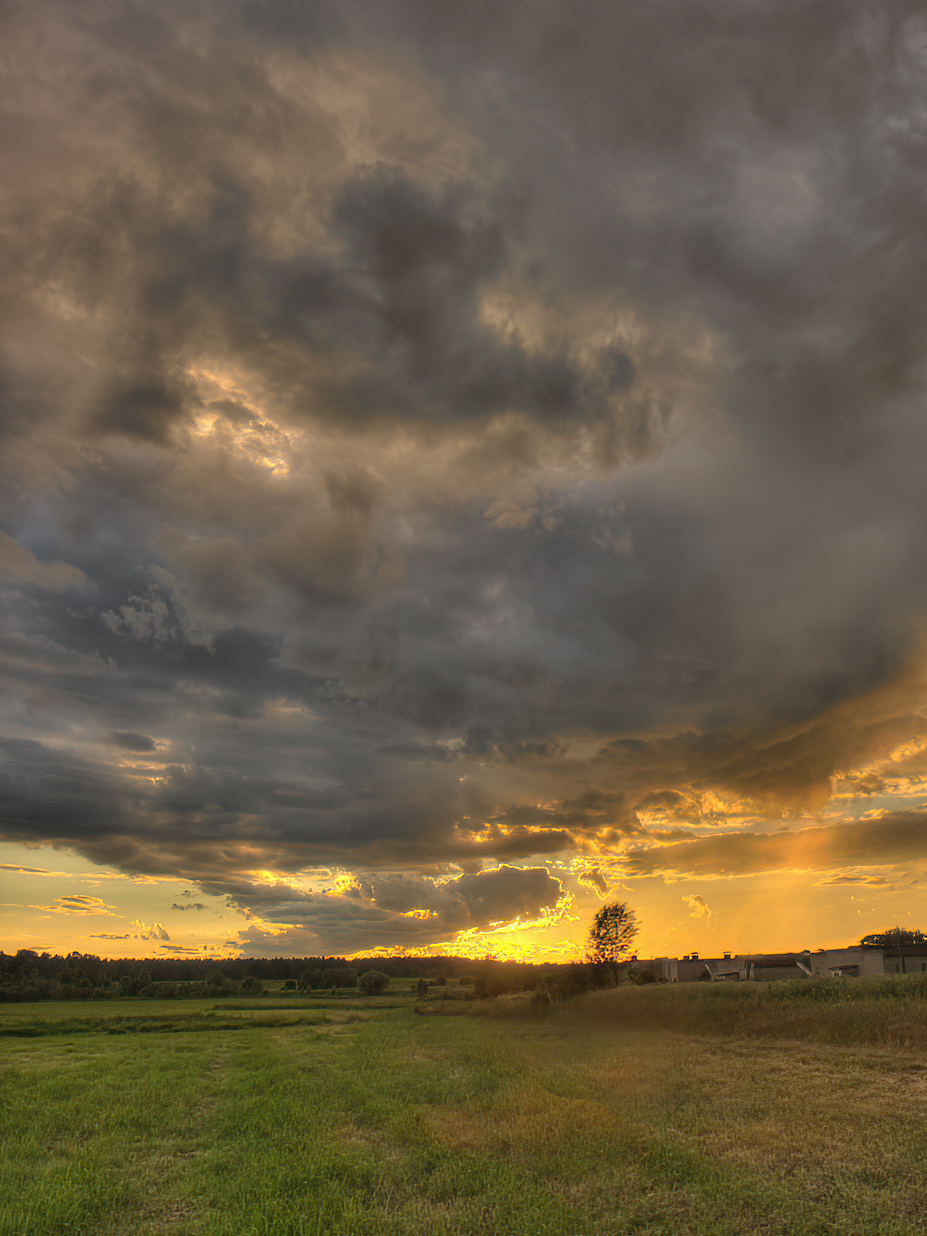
435 434
898 839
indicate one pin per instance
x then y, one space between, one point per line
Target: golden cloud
77 904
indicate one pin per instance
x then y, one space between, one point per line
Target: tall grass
889 1011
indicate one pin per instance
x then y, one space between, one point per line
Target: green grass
567 1125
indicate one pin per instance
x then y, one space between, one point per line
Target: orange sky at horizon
73 905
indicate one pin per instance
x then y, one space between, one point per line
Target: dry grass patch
534 1116
454 1130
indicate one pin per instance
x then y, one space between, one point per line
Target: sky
460 464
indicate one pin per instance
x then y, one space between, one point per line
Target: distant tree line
28 975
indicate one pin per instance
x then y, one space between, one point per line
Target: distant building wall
691 969
770 967
663 969
758 967
913 962
848 962
727 969
760 971
861 960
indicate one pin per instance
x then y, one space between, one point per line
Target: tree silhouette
894 937
611 935
897 938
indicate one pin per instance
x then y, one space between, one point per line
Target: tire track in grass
313 1145
99 1131
269 1172
165 1171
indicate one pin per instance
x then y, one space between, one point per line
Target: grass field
242 1118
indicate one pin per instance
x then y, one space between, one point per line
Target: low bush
342 976
373 982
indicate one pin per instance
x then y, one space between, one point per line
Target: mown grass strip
196 1023
96 1141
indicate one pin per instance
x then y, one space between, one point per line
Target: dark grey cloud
896 839
439 434
130 741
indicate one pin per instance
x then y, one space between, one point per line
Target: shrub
373 982
343 977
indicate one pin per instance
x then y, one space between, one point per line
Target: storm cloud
443 437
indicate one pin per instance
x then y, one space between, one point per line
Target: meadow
690 1110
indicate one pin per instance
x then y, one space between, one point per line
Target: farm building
864 959
767 967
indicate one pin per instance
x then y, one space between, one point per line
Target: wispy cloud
43 871
698 907
77 903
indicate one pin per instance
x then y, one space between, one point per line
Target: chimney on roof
727 957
